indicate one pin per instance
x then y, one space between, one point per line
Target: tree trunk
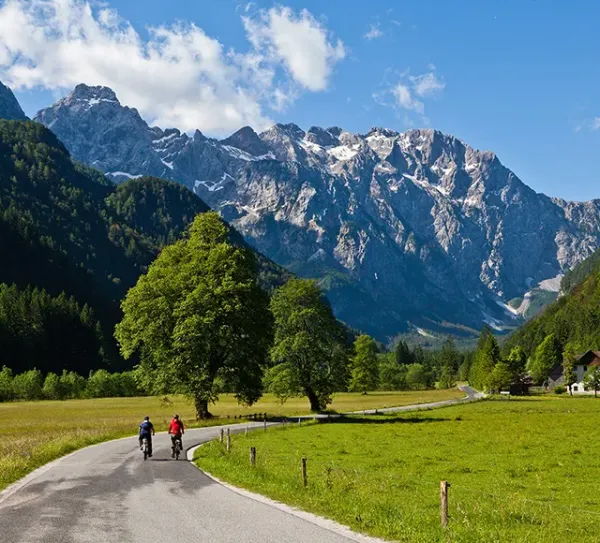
202 412
315 405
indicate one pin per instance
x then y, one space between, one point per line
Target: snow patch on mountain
400 227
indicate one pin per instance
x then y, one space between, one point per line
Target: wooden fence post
228 440
246 432
299 421
444 502
304 475
253 456
221 436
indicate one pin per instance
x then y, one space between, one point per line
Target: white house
583 363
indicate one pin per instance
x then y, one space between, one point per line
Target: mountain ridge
407 230
10 109
65 228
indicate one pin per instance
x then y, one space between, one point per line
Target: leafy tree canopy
309 342
199 312
365 368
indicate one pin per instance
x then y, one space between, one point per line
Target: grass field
524 470
33 433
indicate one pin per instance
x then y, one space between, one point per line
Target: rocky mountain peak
387 132
247 140
84 96
322 137
9 106
407 230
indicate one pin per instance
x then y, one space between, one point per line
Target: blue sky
516 77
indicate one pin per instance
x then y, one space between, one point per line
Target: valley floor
34 433
520 470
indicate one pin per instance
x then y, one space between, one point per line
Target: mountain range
407 231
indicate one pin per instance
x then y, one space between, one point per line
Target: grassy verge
524 470
34 433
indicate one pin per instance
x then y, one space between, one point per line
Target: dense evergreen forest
73 243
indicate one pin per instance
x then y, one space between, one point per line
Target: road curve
471 396
107 494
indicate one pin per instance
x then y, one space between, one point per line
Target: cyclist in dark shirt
146 431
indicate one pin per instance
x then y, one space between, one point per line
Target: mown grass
524 470
34 433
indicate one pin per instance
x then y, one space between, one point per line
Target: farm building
583 363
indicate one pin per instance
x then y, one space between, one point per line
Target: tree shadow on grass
383 420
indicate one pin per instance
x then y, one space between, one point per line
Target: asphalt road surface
108 494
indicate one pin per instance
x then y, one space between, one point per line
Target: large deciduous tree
310 344
592 380
485 360
547 356
500 378
199 312
517 362
365 366
569 360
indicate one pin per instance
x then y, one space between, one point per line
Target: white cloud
178 76
595 123
299 42
409 92
427 84
405 99
373 33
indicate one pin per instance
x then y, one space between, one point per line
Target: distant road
107 494
471 395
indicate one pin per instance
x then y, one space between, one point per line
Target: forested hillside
66 228
574 319
580 272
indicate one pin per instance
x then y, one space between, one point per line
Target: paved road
471 395
107 493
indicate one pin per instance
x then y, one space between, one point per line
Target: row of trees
33 385
52 330
492 372
199 319
200 323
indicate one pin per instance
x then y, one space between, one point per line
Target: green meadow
34 433
525 470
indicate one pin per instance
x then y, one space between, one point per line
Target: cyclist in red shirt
176 430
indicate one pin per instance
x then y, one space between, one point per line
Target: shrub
560 390
28 385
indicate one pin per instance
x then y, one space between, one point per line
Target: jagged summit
322 137
100 93
9 106
407 230
247 140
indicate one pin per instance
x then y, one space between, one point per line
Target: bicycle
145 447
176 449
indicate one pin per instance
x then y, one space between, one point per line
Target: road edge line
321 522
